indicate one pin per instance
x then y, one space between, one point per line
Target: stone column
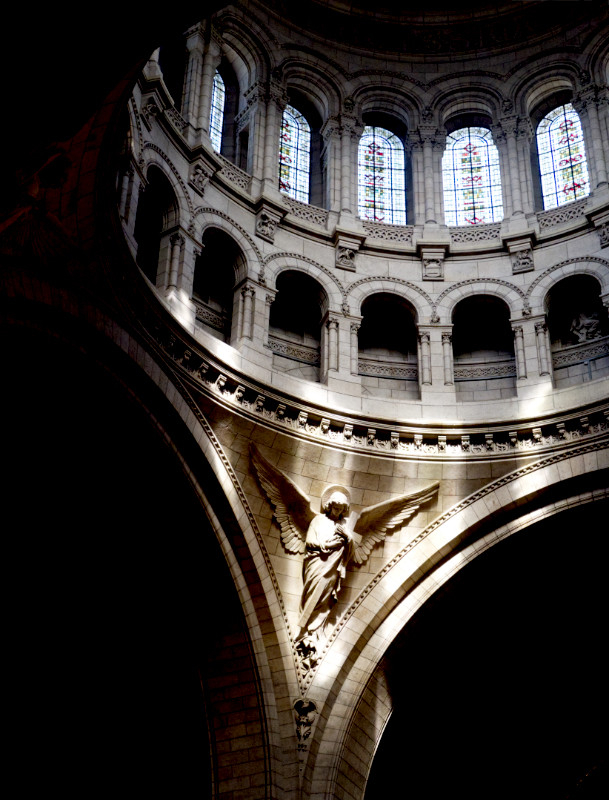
510 128
192 76
541 337
586 104
523 141
427 135
253 117
504 167
177 242
418 187
276 103
332 165
124 205
211 59
247 311
347 131
521 364
447 355
424 358
354 330
332 344
438 152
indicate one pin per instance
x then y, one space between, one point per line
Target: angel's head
336 504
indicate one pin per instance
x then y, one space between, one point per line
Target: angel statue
329 540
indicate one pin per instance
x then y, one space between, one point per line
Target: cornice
379 436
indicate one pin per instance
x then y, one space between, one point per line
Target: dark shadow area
500 681
113 578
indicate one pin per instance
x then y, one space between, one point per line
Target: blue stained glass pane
562 157
216 118
471 178
381 177
294 155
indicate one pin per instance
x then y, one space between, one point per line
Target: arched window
562 157
381 177
471 178
216 118
294 155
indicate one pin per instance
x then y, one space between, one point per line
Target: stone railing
580 353
233 174
395 370
475 233
566 213
297 352
318 216
209 316
390 233
484 371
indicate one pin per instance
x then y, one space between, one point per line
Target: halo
334 488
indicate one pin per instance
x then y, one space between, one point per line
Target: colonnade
261 115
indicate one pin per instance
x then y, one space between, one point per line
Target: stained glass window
216 118
294 155
381 177
471 178
562 157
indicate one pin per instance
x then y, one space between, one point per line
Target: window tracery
381 177
562 157
471 178
294 155
216 121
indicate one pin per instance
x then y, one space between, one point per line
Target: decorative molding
566 213
475 233
297 352
387 369
234 174
580 353
432 443
484 371
318 216
387 232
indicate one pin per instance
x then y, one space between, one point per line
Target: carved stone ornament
199 177
433 269
522 261
266 224
305 712
603 233
345 257
329 542
149 112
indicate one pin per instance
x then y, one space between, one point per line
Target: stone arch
510 294
279 262
477 98
402 587
538 83
207 217
247 39
321 87
152 154
387 98
598 59
358 291
583 265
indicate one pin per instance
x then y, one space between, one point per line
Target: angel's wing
291 506
374 521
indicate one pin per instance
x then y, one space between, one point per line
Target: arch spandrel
381 611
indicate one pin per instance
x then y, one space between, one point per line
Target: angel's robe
323 569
